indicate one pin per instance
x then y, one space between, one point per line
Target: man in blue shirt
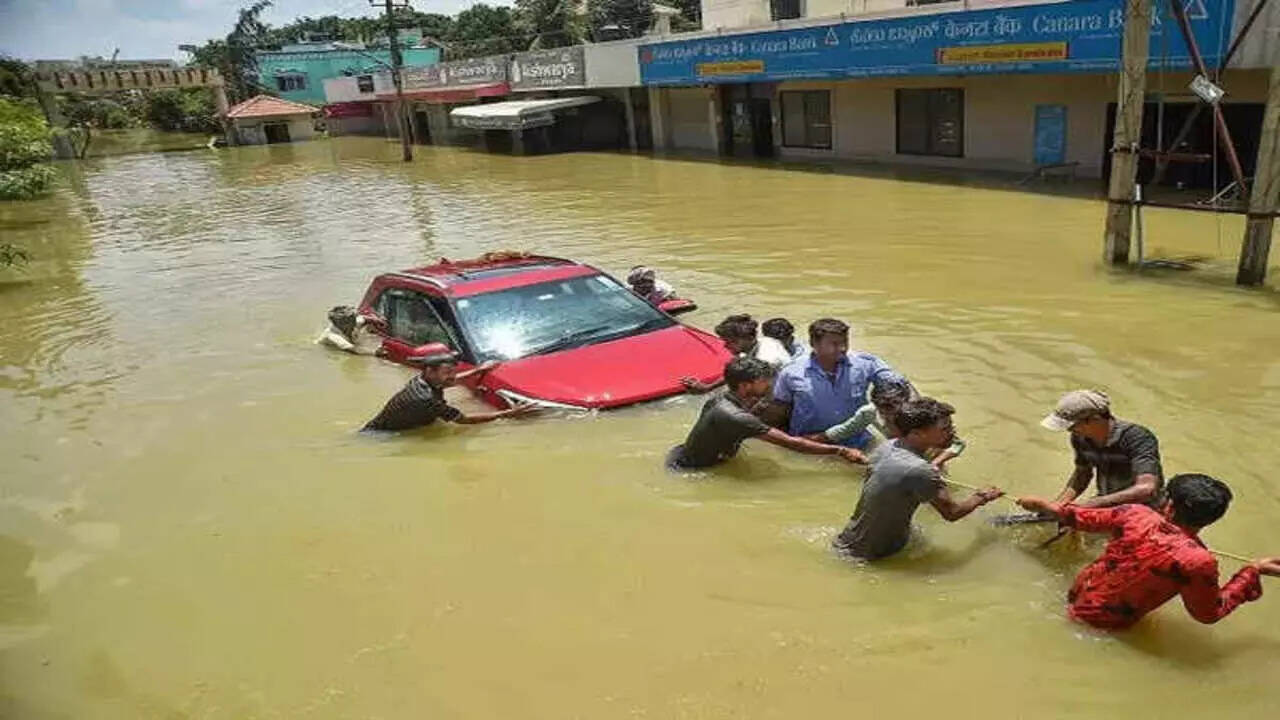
828 385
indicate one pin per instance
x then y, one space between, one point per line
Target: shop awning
454 94
516 114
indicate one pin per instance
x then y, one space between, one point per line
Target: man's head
779 329
748 378
829 339
1195 501
890 395
642 279
738 333
343 318
1085 413
439 364
925 423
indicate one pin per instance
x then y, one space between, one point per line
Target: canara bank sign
1074 36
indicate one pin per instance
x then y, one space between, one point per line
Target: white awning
516 114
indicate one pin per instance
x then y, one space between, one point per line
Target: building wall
690 112
615 64
355 125
319 65
250 132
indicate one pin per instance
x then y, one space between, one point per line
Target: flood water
191 528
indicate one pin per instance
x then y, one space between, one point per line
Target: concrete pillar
631 121
517 142
715 119
1128 130
658 118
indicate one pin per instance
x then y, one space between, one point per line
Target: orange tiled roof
267 106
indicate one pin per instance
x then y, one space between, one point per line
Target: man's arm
860 421
882 373
697 387
952 510
480 418
1144 488
481 368
1076 484
774 436
1208 603
1076 516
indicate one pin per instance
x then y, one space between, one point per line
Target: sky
67 29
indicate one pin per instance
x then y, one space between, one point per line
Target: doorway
1196 171
276 132
421 128
748 120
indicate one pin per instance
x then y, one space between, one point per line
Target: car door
411 321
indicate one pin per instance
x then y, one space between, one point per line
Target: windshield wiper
569 340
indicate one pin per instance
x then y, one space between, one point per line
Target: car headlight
515 398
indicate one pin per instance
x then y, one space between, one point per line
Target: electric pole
397 62
1128 130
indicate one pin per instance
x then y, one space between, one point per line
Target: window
552 316
410 318
931 122
806 119
785 9
364 83
285 83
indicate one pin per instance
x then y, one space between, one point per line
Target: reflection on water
189 526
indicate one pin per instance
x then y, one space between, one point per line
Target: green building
297 72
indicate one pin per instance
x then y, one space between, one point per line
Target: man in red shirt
1154 555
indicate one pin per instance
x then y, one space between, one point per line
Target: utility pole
1128 130
1265 198
396 62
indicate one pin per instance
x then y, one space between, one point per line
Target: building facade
297 72
1014 86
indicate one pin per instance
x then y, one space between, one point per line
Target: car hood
618 372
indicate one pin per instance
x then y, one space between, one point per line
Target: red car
565 333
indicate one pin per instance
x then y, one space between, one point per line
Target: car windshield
551 316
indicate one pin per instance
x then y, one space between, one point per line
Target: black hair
737 326
1198 500
826 326
892 392
742 370
779 329
921 413
343 318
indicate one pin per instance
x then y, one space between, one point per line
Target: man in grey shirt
901 480
726 420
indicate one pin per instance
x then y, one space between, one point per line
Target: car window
410 318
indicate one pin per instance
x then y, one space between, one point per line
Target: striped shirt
418 404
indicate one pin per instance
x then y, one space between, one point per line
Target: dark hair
894 391
826 326
343 318
737 326
742 370
779 329
1198 500
920 413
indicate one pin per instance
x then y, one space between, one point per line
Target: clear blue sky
34 29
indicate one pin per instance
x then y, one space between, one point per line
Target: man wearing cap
1125 456
645 283
421 402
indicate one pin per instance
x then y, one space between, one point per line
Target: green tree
15 78
483 30
182 110
614 19
690 15
25 148
549 23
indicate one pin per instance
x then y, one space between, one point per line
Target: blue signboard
1050 135
1073 36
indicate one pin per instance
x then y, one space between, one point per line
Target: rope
1219 553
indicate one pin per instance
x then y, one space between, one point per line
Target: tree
549 23
248 36
25 148
181 110
15 77
617 19
483 30
690 15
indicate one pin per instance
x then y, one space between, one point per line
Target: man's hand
1269 566
694 385
486 366
854 456
523 409
989 493
1038 505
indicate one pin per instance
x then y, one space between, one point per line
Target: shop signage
478 71
548 69
1050 135
506 122
1073 36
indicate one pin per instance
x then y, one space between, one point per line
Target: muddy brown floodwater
191 528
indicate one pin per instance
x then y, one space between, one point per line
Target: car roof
495 271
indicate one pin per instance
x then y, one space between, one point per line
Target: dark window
785 9
285 83
806 118
364 83
411 319
931 122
